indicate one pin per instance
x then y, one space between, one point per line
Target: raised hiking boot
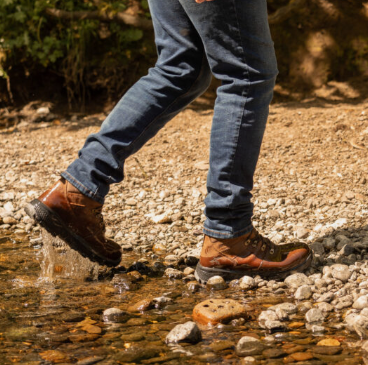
65 212
251 254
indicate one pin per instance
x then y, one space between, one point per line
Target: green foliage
31 39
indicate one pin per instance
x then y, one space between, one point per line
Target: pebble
248 346
114 315
361 302
187 332
341 272
294 281
141 306
289 308
314 315
173 273
265 316
246 283
303 292
216 283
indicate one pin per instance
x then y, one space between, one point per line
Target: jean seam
244 94
88 191
119 153
205 229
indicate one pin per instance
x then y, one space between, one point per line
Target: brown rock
214 311
328 342
83 337
90 328
301 356
326 350
55 356
141 306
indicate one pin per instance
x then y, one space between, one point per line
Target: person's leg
240 51
72 207
179 76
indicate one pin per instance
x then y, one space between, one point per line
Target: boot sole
53 224
203 274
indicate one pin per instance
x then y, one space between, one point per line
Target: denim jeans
231 40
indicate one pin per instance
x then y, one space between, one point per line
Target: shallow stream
52 302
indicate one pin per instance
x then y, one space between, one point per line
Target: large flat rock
214 311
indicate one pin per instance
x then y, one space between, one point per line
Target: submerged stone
141 306
114 315
248 346
187 332
214 311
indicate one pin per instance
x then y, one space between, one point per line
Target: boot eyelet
263 247
255 241
254 245
247 241
272 251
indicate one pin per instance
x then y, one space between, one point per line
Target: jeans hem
221 234
85 191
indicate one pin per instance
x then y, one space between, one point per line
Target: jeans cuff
227 234
84 190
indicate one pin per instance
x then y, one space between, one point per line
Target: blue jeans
231 40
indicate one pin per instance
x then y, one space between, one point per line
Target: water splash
59 261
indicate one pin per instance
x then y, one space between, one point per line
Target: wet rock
221 345
361 302
357 323
275 326
187 332
141 306
90 360
188 271
216 283
340 272
273 353
265 316
289 308
294 281
133 337
326 350
303 292
246 283
161 302
114 315
328 342
55 356
214 311
314 315
281 314
248 346
135 354
173 273
301 356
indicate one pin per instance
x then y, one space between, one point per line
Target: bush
88 54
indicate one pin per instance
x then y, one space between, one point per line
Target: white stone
314 315
361 302
340 272
246 283
303 292
294 281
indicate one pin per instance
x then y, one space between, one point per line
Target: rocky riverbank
311 185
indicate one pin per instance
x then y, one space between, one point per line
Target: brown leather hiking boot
251 254
65 212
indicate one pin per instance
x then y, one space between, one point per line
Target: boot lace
264 241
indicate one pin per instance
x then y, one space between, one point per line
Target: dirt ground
311 178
